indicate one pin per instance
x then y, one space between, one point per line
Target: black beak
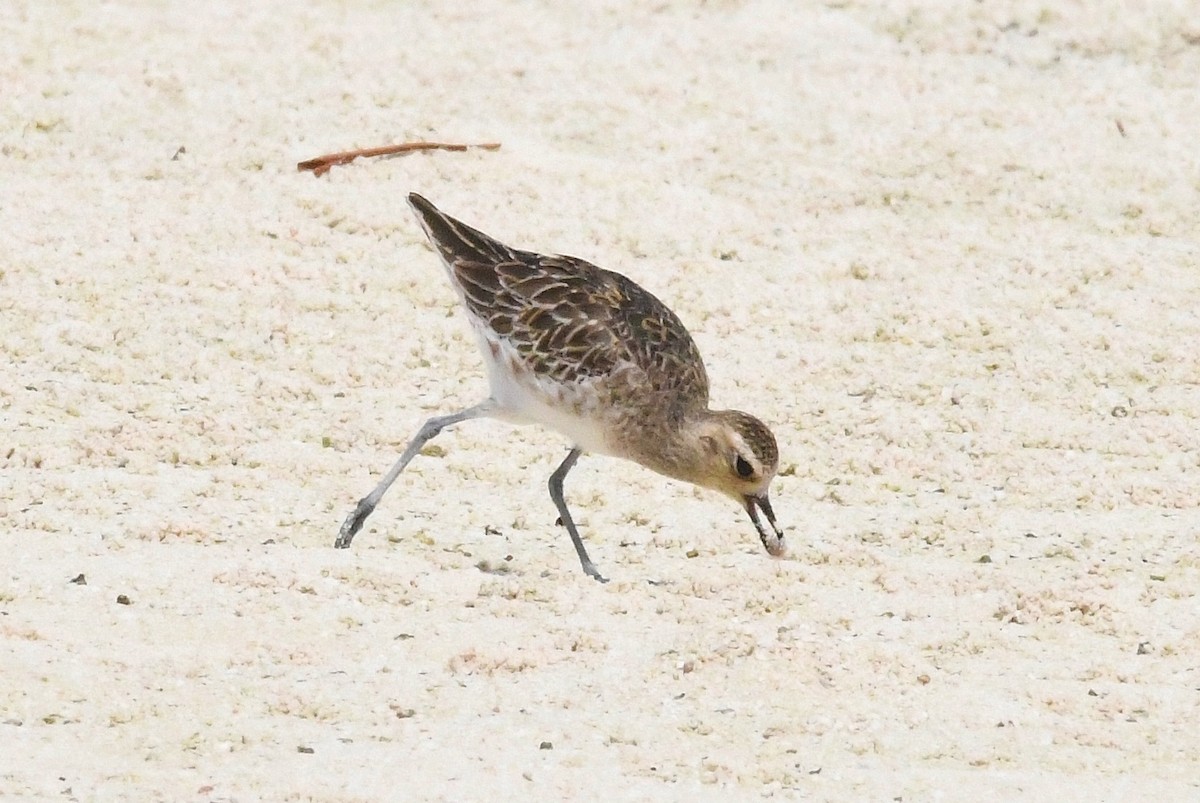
773 543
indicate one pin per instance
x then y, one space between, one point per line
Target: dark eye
744 469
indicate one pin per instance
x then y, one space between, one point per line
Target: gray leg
556 493
432 427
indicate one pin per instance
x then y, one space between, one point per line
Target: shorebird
590 354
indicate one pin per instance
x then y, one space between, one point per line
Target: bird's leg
556 494
431 428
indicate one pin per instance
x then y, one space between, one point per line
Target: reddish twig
320 166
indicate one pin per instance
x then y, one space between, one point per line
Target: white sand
964 299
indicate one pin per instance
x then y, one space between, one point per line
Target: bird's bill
773 542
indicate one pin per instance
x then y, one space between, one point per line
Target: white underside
523 398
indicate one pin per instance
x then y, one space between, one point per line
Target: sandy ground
950 255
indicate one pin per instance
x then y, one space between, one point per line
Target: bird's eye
744 469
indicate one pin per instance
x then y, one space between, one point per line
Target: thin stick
320 166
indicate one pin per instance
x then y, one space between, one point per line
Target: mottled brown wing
573 321
567 318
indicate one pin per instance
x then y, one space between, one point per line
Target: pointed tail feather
455 240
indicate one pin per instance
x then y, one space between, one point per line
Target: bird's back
570 323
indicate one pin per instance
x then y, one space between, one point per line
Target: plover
590 354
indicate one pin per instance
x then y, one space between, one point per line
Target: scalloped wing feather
574 322
567 319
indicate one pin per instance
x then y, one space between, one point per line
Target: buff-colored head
737 456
